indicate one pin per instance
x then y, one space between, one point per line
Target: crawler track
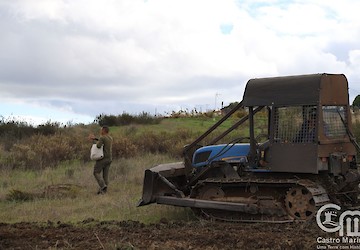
268 200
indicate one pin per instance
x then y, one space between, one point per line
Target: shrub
127 119
153 142
49 128
356 133
12 131
39 151
240 113
125 148
168 142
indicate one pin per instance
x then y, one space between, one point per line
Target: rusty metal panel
334 90
293 158
325 150
297 90
287 90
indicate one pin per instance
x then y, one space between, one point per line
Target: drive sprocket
299 203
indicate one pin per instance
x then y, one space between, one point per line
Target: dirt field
92 234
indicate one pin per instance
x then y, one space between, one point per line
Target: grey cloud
132 66
341 49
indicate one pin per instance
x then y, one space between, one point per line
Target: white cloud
135 55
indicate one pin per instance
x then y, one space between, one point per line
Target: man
103 165
307 131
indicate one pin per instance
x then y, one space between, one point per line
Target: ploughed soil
91 234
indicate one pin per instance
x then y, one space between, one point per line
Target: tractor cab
308 127
309 122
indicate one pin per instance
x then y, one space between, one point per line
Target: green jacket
107 141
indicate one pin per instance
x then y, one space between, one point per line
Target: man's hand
92 137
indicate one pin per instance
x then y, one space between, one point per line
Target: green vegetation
126 119
356 103
39 150
48 177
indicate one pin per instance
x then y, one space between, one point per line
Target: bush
123 147
127 119
49 128
12 131
40 151
164 142
356 132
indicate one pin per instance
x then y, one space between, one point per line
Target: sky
71 60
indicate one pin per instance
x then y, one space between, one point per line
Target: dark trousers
102 166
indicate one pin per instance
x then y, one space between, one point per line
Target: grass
126 177
125 189
23 191
195 124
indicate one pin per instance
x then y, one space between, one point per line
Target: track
268 200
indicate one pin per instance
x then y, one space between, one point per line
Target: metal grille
334 118
295 124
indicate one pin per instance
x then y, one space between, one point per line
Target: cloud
90 57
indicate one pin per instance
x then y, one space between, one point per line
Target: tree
356 102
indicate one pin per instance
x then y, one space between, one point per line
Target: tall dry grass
33 164
125 189
38 151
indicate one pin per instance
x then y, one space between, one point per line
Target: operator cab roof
330 89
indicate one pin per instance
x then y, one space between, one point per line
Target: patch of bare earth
92 234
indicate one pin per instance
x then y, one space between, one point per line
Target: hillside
48 195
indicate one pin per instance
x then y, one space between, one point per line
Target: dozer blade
148 188
159 181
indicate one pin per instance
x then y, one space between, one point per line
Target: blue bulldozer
298 154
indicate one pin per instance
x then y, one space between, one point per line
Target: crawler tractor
301 157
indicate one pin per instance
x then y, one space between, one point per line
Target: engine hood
232 153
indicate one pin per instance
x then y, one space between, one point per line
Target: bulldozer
303 157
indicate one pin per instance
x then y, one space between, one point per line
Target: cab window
334 120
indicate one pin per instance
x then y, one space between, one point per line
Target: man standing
103 165
307 131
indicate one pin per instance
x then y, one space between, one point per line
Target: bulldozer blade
148 188
156 182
